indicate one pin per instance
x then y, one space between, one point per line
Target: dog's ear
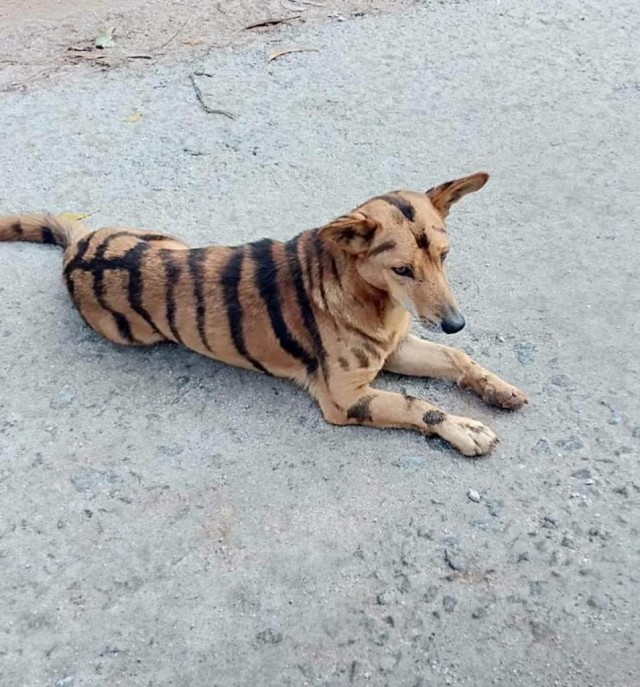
352 233
445 195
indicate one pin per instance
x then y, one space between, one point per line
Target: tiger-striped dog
329 309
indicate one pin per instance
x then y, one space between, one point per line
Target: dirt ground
42 38
167 520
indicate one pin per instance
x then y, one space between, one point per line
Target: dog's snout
452 322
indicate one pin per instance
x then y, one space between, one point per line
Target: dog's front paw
502 395
470 437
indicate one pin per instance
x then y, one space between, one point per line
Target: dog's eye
443 257
403 271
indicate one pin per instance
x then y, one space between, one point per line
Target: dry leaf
133 118
193 41
105 38
279 53
271 22
74 216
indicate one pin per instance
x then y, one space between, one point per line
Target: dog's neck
358 303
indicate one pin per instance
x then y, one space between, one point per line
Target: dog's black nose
452 323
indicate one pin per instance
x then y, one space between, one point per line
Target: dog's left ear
352 233
445 195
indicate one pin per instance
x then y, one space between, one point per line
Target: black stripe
382 247
318 246
99 265
48 237
361 410
361 357
173 271
134 258
402 204
196 264
230 280
306 308
266 280
423 241
17 227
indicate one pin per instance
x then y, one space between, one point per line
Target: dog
328 309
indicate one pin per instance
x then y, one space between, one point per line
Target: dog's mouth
429 324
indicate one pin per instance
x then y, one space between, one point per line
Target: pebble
456 561
542 446
525 352
268 636
479 612
549 523
425 533
449 603
63 399
536 587
583 473
495 506
572 443
474 496
383 599
67 681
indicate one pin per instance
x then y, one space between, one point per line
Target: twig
203 104
271 22
164 45
17 84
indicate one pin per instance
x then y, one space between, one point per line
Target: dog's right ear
352 233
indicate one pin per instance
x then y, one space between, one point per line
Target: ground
167 520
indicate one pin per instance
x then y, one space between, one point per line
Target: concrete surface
166 520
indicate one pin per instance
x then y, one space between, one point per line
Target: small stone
449 603
494 506
500 338
525 352
479 612
622 489
383 599
524 556
540 631
474 496
542 446
67 681
568 542
63 399
536 587
268 636
425 533
456 561
572 443
583 473
431 593
405 585
549 523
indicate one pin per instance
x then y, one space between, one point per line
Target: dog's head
399 244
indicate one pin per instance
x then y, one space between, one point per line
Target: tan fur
326 309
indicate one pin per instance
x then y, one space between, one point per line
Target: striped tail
58 231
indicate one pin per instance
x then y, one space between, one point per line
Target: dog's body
328 309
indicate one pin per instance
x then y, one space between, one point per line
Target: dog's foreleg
421 358
368 406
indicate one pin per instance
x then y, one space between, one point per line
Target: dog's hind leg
421 358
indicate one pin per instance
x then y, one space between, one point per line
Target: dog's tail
52 229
